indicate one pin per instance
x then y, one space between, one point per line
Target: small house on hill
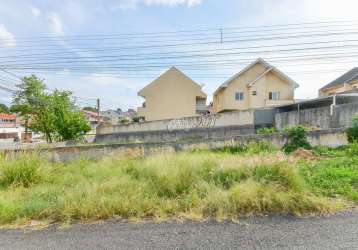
347 82
172 95
258 85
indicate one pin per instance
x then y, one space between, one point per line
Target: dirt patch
305 154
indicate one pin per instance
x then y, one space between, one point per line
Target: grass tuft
21 171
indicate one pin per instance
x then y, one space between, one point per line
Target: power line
200 31
216 37
202 52
228 41
187 64
33 56
232 66
121 58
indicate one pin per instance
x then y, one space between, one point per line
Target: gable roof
172 69
269 69
259 77
348 77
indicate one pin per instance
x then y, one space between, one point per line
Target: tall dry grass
200 184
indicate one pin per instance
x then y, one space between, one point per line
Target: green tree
4 108
69 122
53 114
27 100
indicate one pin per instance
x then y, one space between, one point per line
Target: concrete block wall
342 115
199 127
176 135
319 118
236 118
331 137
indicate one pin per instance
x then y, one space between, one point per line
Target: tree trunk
26 127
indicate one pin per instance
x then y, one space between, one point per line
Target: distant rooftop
7 116
341 98
348 77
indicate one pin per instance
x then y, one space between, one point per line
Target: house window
239 96
274 95
254 92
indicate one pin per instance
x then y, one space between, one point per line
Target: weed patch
336 177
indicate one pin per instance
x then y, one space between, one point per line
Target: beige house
256 86
172 95
345 83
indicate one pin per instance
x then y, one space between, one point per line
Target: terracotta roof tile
7 116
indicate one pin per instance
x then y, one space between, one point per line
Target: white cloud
331 9
307 10
65 72
6 37
126 5
189 3
35 11
56 25
132 4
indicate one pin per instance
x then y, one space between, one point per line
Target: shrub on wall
124 120
352 132
297 138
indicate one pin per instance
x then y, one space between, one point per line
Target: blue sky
20 20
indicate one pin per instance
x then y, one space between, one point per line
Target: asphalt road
336 232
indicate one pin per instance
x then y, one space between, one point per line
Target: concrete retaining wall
331 137
320 118
176 135
342 115
237 118
200 127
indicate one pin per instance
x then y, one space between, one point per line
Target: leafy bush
352 132
297 138
124 120
266 131
138 119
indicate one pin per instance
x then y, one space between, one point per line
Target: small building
348 82
115 116
259 85
172 95
93 119
12 129
112 116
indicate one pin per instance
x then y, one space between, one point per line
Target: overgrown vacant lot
226 183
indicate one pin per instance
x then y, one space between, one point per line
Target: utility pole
98 110
221 35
